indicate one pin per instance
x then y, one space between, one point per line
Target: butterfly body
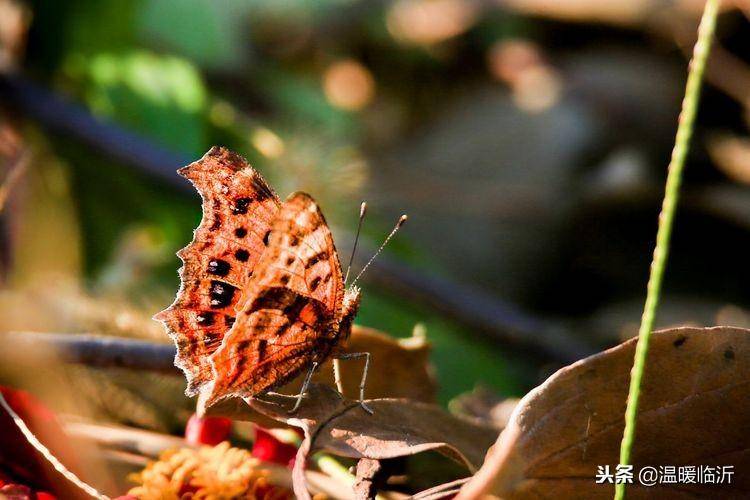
262 296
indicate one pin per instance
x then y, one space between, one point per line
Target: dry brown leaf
399 368
483 407
398 427
694 410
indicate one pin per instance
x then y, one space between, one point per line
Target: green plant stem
663 235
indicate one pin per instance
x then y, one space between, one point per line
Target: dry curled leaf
398 427
693 411
399 368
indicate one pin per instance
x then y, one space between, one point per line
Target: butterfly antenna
362 212
400 223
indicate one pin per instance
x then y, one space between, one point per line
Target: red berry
267 447
207 430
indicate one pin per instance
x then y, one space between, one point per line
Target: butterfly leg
305 385
337 377
357 355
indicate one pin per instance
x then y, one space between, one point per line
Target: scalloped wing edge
232 164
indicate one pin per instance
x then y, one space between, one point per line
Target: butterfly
262 296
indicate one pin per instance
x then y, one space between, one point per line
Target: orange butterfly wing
238 209
293 308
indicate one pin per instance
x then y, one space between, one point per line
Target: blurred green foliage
163 97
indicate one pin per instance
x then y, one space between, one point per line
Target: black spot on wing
262 344
218 267
290 304
221 294
205 318
242 255
217 215
285 300
314 283
274 298
216 223
210 338
322 255
282 328
241 205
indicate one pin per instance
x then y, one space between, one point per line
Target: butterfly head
350 308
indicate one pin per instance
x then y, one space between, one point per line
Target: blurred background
527 141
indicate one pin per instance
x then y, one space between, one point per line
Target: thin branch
124 439
60 115
666 218
440 490
92 350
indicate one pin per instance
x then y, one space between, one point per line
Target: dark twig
60 115
365 487
90 350
486 315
